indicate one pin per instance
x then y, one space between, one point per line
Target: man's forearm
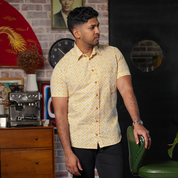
125 88
63 132
131 105
60 105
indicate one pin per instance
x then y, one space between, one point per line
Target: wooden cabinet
27 152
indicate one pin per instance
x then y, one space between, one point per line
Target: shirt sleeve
58 84
122 67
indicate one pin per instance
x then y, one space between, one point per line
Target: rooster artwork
15 39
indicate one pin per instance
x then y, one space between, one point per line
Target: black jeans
108 161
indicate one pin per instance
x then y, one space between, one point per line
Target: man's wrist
68 152
139 121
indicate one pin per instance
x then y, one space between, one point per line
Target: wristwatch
139 121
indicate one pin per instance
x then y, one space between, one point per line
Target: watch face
59 49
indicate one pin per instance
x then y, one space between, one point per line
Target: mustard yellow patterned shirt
90 85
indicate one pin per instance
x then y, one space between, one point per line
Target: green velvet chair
154 169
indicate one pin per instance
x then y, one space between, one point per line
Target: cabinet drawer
26 162
28 138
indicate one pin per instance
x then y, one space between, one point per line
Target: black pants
108 161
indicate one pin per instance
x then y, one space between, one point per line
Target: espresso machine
24 107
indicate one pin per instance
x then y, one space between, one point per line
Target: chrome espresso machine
24 107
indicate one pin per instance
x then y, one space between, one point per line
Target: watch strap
139 121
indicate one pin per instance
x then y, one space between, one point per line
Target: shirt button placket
97 111
96 106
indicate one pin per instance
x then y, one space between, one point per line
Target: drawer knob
36 138
36 162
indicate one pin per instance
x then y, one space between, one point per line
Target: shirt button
92 70
96 120
95 81
96 134
96 94
96 107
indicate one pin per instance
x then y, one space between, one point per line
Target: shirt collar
79 54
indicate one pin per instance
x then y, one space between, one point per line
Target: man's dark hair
80 15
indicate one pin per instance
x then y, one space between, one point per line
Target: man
84 90
60 18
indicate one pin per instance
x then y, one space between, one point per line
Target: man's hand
73 164
141 130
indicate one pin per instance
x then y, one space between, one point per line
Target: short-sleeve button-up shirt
90 85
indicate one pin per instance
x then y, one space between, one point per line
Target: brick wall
38 15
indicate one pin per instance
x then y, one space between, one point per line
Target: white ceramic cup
45 122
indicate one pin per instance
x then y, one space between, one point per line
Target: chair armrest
136 151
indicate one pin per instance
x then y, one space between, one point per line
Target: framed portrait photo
60 10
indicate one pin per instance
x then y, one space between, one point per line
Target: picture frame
4 89
57 18
47 111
